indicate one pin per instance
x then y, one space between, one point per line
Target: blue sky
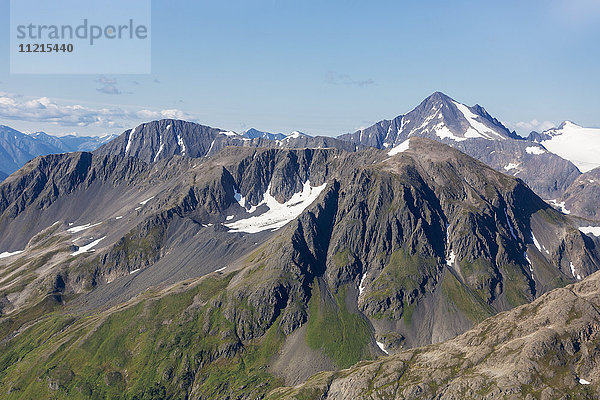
329 67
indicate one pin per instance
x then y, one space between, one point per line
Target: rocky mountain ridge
547 349
382 252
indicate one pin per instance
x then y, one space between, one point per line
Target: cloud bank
46 110
335 78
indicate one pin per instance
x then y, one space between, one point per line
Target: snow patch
229 133
119 217
579 145
160 147
9 254
511 166
382 347
181 143
477 129
535 150
361 285
537 244
134 271
296 135
529 263
239 198
512 231
561 206
573 272
80 228
143 203
88 247
130 140
590 230
229 217
210 148
402 147
278 214
443 132
220 269
451 258
583 381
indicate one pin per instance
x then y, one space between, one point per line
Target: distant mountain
16 148
254 134
582 198
572 142
474 131
71 143
438 117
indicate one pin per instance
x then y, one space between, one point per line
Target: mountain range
16 148
183 261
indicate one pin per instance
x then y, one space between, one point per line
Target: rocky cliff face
307 255
158 140
583 196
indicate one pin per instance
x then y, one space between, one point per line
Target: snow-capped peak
572 142
296 135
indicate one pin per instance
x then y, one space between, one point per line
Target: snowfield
590 230
87 247
535 150
278 214
400 148
579 145
80 228
9 254
477 129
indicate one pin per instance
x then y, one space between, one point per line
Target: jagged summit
474 131
438 117
162 139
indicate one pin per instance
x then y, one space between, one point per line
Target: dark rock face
162 139
583 196
438 117
473 131
158 140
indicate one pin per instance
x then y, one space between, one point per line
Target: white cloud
524 127
170 114
335 78
46 110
